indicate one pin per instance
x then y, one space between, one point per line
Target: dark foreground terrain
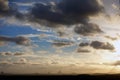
65 77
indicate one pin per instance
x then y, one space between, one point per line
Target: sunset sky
59 36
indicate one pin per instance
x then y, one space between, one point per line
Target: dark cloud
98 45
18 40
4 6
79 50
102 45
67 11
52 13
83 44
87 29
111 38
7 10
62 43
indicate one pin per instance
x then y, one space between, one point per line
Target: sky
54 37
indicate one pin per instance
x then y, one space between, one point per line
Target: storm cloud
63 12
18 40
66 11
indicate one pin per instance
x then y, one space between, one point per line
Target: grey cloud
62 43
7 10
83 44
88 29
79 50
18 40
98 45
64 12
67 11
4 6
102 45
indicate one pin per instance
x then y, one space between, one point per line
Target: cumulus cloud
18 40
102 45
98 45
88 29
66 11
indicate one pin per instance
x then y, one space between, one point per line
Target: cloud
88 29
116 63
6 53
5 10
115 6
2 43
18 53
111 38
66 11
102 45
9 10
98 45
4 6
79 50
21 61
62 43
83 44
18 40
5 62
